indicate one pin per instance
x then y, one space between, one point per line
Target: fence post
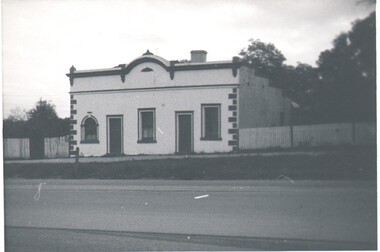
291 136
77 162
291 126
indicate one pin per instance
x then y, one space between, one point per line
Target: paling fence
249 139
19 148
56 147
16 148
334 134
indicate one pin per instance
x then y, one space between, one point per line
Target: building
155 106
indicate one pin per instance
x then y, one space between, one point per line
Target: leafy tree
41 121
296 82
299 84
341 88
348 75
15 129
265 58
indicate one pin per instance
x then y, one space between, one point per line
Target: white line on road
38 194
285 177
202 196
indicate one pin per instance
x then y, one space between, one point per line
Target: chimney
198 56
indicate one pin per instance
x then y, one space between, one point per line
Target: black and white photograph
176 125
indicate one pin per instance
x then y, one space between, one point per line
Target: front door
184 132
115 135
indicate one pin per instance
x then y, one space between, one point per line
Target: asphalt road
109 215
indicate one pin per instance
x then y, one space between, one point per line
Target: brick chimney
198 56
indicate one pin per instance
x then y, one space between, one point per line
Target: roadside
104 159
347 164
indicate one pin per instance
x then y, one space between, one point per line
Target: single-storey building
156 106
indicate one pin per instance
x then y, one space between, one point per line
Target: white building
155 106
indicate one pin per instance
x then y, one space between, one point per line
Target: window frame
83 131
203 122
140 138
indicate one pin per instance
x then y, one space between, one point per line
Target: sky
42 39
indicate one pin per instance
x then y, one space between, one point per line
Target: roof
169 66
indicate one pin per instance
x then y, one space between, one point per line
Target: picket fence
19 148
308 136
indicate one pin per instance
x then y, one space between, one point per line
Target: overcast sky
43 38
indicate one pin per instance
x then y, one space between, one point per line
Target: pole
291 127
353 133
76 161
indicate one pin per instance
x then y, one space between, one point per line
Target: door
184 132
115 135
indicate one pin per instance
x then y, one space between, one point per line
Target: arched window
89 128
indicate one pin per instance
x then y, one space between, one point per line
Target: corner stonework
233 119
73 133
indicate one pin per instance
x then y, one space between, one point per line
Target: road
117 215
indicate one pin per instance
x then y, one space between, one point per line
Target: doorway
184 132
115 135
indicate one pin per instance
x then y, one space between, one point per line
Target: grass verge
346 165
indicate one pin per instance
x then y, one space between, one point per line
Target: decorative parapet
170 66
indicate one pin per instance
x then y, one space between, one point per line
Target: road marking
38 194
202 196
285 177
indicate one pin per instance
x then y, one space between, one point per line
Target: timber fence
16 148
20 148
335 134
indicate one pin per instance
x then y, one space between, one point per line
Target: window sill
146 141
210 139
89 141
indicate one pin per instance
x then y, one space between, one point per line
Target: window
89 130
147 132
211 122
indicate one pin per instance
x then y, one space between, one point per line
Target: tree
17 114
265 58
296 82
299 84
348 75
39 122
43 121
341 88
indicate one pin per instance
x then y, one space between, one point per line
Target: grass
345 165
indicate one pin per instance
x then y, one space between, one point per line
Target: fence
16 148
56 147
19 148
308 135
